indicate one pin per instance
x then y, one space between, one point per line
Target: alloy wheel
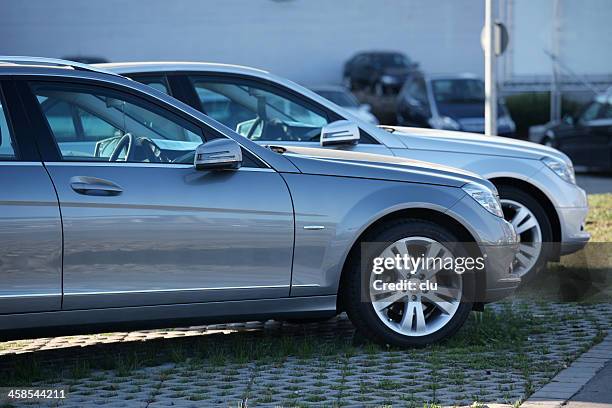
529 231
419 312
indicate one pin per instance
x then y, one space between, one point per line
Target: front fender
332 212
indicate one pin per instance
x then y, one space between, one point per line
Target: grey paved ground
501 357
595 183
597 392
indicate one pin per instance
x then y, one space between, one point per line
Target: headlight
444 122
485 197
561 169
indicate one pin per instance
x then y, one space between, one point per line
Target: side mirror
568 119
365 107
218 154
340 132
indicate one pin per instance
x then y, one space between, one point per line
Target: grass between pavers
521 344
509 343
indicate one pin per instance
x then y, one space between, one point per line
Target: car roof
20 62
170 66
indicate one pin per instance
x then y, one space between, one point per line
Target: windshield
340 98
458 90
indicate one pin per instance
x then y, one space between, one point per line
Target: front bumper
501 281
498 244
571 206
574 236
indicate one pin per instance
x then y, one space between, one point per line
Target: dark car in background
450 102
381 72
586 137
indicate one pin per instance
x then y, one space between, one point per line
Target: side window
62 118
93 127
157 82
101 125
591 112
7 151
258 112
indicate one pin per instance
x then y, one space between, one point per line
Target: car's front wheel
533 227
408 317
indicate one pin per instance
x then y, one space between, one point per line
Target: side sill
29 325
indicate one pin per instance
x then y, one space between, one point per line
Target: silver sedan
536 183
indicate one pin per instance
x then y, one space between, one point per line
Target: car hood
474 143
343 163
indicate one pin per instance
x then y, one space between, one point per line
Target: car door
586 142
269 113
142 226
30 224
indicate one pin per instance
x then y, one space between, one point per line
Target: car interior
96 127
258 114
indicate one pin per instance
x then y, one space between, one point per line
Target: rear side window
7 151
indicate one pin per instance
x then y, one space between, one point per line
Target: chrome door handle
94 186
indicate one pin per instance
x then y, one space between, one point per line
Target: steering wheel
126 141
153 153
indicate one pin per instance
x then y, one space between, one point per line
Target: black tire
516 194
362 313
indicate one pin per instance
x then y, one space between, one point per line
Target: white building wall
305 40
584 39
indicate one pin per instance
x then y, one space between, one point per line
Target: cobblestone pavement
513 349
